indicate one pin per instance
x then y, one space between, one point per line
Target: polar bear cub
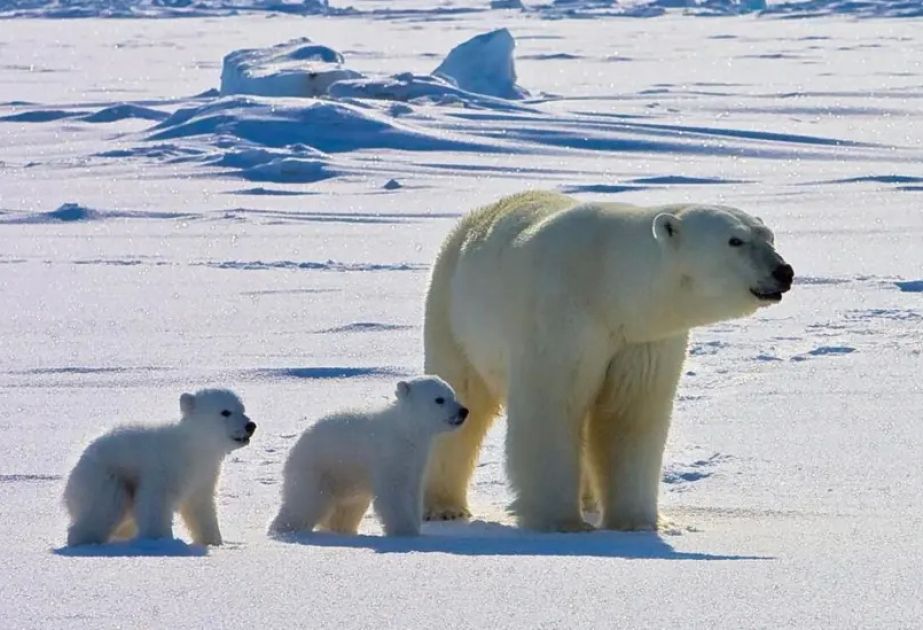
347 460
132 479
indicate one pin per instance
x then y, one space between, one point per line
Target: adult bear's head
724 260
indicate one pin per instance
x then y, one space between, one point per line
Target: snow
157 237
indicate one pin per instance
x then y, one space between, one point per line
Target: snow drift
325 126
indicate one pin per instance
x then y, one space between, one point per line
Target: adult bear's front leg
546 407
628 431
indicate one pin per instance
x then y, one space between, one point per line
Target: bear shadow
482 538
164 547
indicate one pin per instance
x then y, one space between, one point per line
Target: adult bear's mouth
243 441
767 296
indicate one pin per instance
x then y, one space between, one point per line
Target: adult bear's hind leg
454 455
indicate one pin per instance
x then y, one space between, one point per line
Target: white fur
347 460
132 479
576 316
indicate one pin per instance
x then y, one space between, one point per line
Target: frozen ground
157 237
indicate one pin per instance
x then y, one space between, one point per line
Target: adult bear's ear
403 390
187 404
665 226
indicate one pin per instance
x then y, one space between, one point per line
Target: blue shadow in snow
600 188
40 116
166 547
330 372
910 286
271 192
494 539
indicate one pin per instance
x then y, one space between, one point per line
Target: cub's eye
226 413
735 242
440 401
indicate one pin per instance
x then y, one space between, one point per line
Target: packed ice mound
484 65
295 68
477 73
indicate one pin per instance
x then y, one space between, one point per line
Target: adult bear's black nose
463 413
250 427
784 274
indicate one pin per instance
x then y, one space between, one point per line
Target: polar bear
132 479
575 316
344 460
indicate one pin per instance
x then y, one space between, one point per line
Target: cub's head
726 261
431 401
221 413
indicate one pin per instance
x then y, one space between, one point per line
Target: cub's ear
665 226
187 404
403 390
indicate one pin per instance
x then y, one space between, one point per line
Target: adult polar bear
576 316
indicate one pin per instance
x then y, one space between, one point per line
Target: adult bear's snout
784 274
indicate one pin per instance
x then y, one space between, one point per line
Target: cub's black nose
784 274
463 413
250 427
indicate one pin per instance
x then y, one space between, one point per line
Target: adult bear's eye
226 413
735 242
440 400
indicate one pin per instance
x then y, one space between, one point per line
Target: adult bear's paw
445 512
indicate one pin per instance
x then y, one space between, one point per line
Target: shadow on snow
480 538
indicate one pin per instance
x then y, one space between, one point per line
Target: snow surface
157 236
